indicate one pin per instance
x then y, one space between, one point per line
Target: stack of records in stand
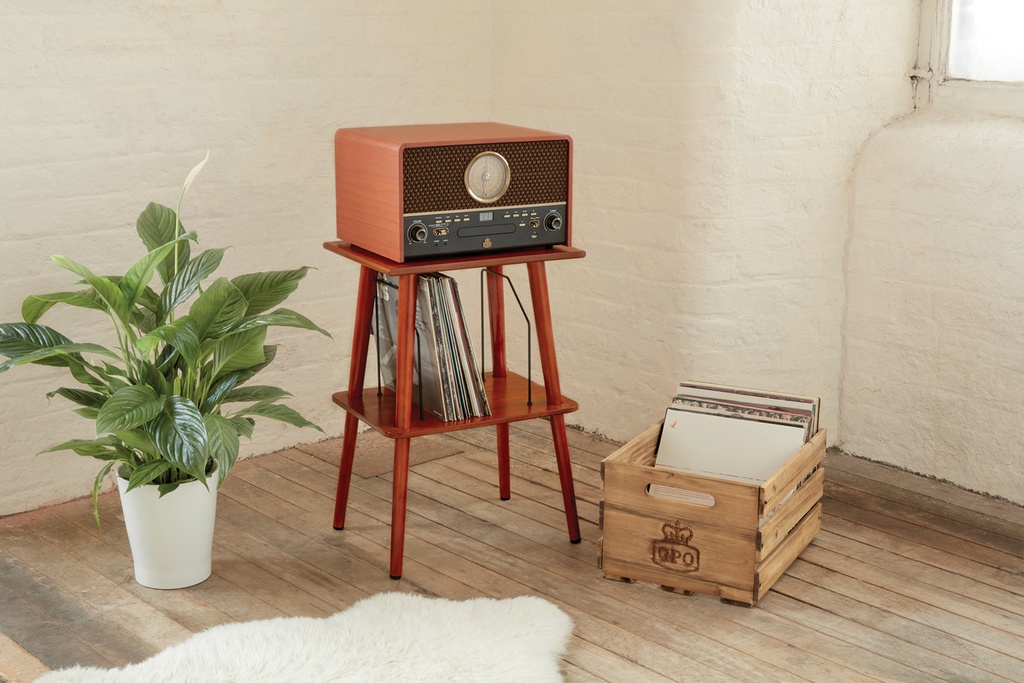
446 377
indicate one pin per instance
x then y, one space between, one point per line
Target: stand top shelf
389 267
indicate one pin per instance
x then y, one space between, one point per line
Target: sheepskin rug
390 637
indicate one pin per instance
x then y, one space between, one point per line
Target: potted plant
172 394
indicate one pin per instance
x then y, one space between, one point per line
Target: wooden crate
736 548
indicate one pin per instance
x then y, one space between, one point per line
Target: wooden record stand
391 413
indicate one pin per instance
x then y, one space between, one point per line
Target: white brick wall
934 373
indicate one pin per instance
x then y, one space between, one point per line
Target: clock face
487 177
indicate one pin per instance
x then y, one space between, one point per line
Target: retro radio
439 190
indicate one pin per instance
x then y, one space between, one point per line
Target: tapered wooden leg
504 463
399 491
496 315
565 476
348 451
553 391
407 286
365 296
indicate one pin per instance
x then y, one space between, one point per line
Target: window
985 40
971 56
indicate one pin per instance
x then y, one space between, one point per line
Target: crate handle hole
680 495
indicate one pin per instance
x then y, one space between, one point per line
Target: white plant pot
171 537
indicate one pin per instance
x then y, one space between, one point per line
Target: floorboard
910 579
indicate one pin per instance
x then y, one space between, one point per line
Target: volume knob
417 233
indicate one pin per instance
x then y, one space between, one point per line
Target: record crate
706 534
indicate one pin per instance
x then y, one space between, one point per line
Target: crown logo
674 551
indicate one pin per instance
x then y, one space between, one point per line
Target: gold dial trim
479 195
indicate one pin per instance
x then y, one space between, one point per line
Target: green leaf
181 334
145 474
223 443
269 354
145 314
265 290
55 352
220 388
186 282
148 374
218 309
140 440
128 408
239 351
164 489
282 317
20 339
256 393
278 412
157 225
80 370
101 448
105 288
136 280
180 436
97 483
83 398
244 425
34 306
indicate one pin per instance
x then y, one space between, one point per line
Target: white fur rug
390 638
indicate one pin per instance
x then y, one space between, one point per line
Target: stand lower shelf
507 397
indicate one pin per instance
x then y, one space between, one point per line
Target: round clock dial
487 177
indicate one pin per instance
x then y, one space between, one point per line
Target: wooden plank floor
909 580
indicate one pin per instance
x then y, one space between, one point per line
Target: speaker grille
434 176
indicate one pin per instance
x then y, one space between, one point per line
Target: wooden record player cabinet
391 413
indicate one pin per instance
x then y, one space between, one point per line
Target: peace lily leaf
164 489
102 448
129 407
157 225
283 317
263 291
56 352
96 485
180 334
256 394
105 288
180 436
18 339
148 374
219 389
145 474
244 425
80 372
140 440
138 276
218 309
239 351
186 282
33 308
82 398
223 443
269 353
278 412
